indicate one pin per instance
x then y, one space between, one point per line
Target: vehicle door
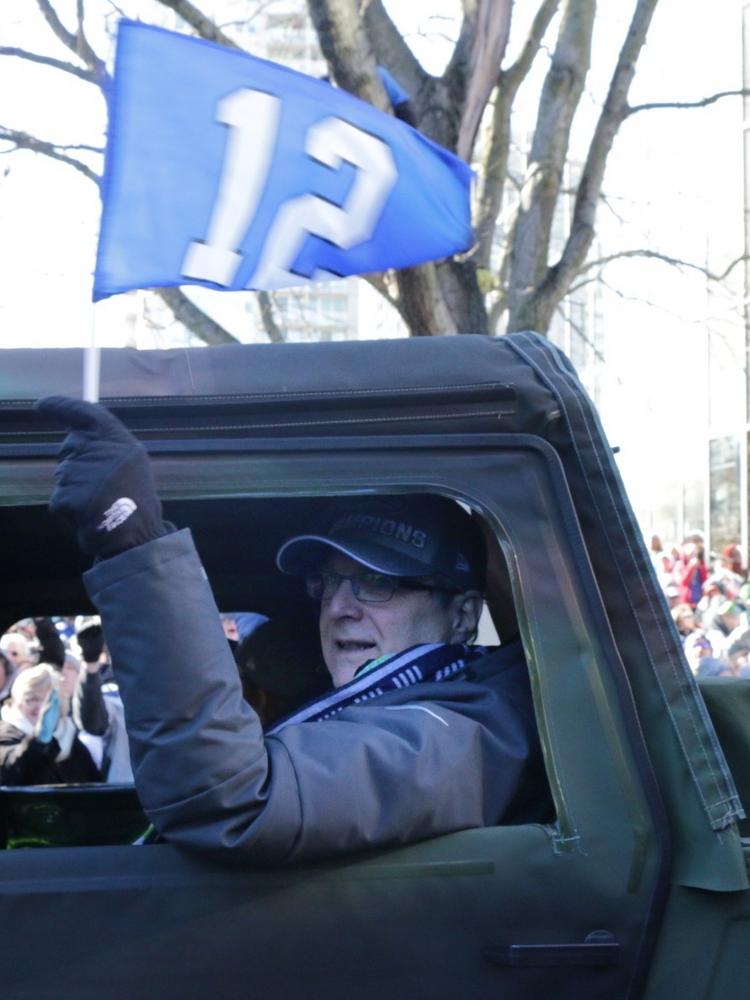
565 910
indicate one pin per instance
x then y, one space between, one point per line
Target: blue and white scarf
428 662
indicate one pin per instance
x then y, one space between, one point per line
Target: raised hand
104 482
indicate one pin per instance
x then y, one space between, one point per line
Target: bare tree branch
22 140
65 67
494 172
704 102
260 7
578 329
272 328
77 43
718 276
347 49
198 322
391 50
200 22
497 309
561 94
538 305
471 74
515 74
490 20
385 285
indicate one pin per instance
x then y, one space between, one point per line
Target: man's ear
465 611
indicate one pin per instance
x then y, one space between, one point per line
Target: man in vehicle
423 733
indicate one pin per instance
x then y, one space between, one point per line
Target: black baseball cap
414 535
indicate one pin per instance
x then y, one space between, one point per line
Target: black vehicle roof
438 384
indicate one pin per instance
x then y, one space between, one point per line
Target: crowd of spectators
709 599
61 717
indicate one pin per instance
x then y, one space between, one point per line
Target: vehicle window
271 628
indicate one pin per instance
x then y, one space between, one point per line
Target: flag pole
91 363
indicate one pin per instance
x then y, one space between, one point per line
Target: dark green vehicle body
640 886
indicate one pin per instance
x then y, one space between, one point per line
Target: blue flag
233 172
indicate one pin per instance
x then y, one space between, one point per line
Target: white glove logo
118 513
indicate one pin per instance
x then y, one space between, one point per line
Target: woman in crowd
690 572
39 742
684 618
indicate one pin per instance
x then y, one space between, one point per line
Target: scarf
429 662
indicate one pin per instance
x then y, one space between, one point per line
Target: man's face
353 632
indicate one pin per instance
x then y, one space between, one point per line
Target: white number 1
253 118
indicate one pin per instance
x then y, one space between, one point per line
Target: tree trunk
537 294
530 244
194 319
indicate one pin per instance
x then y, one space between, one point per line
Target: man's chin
343 666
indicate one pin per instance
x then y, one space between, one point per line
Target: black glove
51 646
91 641
104 482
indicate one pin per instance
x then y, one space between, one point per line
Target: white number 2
253 120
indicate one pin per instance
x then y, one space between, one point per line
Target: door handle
599 948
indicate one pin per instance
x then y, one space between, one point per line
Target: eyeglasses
371 588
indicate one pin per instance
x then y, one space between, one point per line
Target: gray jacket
412 764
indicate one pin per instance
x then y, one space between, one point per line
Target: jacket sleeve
24 760
89 710
206 777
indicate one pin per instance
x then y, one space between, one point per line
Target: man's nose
343 601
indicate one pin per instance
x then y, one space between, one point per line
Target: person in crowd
728 624
39 742
25 627
700 656
690 572
277 664
6 676
18 650
711 599
738 657
97 707
684 618
672 595
231 631
729 573
50 646
423 732
661 560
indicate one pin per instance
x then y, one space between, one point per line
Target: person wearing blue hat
390 573
422 733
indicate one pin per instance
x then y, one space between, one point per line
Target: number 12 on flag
233 172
